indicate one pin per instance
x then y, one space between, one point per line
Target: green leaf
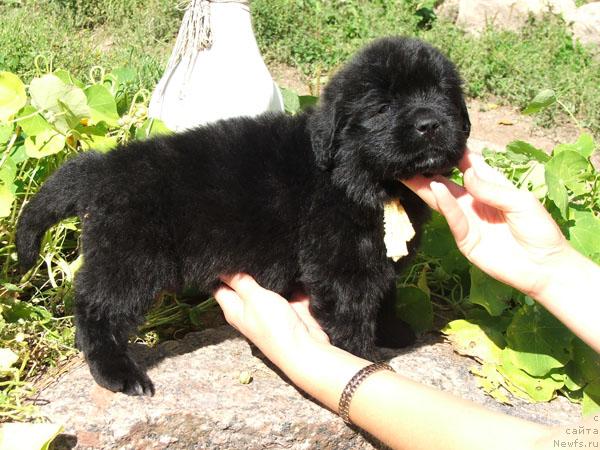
8 172
523 385
591 399
306 101
524 148
67 78
28 436
34 125
585 234
437 241
6 132
102 143
124 75
472 340
564 170
489 293
152 127
414 307
25 311
490 380
584 146
7 197
586 360
291 101
103 107
537 341
12 95
542 100
63 105
46 143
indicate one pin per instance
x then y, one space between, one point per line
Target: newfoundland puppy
295 201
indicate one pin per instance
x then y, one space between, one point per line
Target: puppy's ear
465 117
323 126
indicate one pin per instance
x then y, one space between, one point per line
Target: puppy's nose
427 126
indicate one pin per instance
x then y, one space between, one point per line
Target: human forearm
570 295
403 413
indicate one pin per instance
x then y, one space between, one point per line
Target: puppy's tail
61 196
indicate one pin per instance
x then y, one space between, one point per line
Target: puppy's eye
383 109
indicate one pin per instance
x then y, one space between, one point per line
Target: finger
421 186
485 171
244 285
451 210
506 198
230 303
302 309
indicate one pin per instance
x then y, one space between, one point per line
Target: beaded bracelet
355 381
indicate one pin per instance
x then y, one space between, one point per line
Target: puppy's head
396 110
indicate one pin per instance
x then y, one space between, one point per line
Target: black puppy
290 200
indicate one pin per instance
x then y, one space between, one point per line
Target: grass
318 36
313 36
78 35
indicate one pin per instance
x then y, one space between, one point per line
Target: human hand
277 327
504 231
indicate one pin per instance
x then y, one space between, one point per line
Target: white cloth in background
228 79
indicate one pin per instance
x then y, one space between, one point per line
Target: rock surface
586 24
475 15
200 402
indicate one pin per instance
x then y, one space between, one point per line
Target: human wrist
566 271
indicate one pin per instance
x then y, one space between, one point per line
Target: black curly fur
289 200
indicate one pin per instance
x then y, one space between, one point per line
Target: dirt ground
492 125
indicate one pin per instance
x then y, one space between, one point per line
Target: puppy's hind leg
104 321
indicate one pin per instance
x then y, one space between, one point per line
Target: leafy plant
42 124
523 348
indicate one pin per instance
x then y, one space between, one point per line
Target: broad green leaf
542 100
67 78
586 360
25 311
291 101
18 155
584 146
152 127
437 242
490 380
7 197
472 340
34 125
537 341
7 359
12 95
124 75
564 170
63 105
46 143
524 148
574 379
414 307
523 385
489 293
28 436
585 234
6 131
101 143
591 399
306 101
8 172
102 105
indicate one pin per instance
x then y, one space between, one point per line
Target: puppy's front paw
120 374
